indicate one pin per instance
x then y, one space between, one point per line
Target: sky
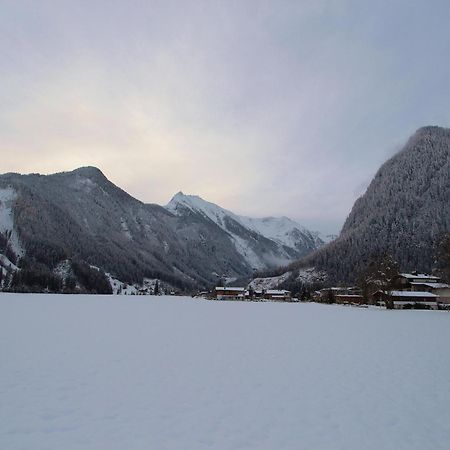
263 107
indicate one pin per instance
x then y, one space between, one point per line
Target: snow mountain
405 212
81 221
262 243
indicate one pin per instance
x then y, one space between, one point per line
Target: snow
146 288
7 197
268 282
411 294
5 262
232 289
114 372
431 285
422 276
247 253
125 229
281 230
311 275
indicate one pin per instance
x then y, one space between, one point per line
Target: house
254 294
258 294
441 290
276 294
421 282
404 280
349 299
406 299
339 295
229 293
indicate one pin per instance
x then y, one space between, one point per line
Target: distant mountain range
48 221
69 229
262 243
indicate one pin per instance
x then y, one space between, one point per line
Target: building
421 282
279 295
406 299
343 295
405 280
229 293
349 299
441 290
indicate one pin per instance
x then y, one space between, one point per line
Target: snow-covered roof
431 285
233 289
349 295
411 294
423 276
277 292
403 302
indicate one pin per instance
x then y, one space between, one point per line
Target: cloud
266 108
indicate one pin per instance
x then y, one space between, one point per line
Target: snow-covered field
125 373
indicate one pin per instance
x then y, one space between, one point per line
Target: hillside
47 220
266 242
405 212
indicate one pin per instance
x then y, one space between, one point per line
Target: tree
444 257
330 297
381 274
156 290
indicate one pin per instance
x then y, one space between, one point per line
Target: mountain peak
191 201
428 128
88 171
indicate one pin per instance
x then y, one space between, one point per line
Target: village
410 291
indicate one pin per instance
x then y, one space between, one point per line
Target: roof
276 292
411 294
431 285
403 302
419 275
349 295
233 289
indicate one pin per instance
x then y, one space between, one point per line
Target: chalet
441 290
339 295
229 293
405 280
406 299
349 299
254 294
258 294
275 294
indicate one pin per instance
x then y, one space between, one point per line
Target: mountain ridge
404 212
81 215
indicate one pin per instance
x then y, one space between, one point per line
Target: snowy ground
125 373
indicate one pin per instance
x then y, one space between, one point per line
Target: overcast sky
264 107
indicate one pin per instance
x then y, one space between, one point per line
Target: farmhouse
420 282
405 280
229 293
348 299
441 290
343 295
406 299
274 294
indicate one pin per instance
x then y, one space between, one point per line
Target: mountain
78 225
262 243
405 212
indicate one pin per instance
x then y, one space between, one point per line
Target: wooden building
405 280
229 293
441 290
349 299
406 299
278 295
